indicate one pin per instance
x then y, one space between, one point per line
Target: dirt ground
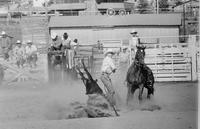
28 106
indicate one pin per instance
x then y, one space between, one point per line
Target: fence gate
169 62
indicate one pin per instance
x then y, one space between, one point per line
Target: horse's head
140 54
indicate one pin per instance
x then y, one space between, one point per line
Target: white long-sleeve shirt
133 42
19 51
30 50
108 65
67 41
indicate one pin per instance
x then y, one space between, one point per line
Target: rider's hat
29 42
3 33
18 42
109 51
54 35
133 32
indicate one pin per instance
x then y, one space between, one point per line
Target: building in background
38 3
90 29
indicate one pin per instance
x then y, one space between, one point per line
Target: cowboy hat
109 51
18 42
133 32
3 33
124 47
29 41
54 35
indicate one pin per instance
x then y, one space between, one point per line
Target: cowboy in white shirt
31 53
19 53
66 41
56 42
132 45
108 67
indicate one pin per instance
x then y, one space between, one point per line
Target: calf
91 85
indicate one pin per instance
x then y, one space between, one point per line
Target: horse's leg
141 87
148 93
130 94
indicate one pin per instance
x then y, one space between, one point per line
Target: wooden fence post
192 50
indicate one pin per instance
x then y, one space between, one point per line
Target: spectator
66 41
75 45
56 44
19 54
31 54
71 52
6 45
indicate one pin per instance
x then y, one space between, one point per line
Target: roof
110 5
70 6
189 1
3 10
26 8
107 21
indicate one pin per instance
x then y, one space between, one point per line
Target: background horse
139 75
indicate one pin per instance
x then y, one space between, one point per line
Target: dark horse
139 75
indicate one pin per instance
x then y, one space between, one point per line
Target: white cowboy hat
133 31
53 35
3 33
18 42
109 51
29 41
124 47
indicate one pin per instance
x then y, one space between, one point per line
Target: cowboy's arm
34 50
112 65
15 52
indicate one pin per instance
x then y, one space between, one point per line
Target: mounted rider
133 42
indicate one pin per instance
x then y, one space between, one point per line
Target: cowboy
124 55
56 44
108 68
75 44
72 52
6 45
19 53
132 45
66 41
1 73
31 53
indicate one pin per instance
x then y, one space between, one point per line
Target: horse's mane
134 73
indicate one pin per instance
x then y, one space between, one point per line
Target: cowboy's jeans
109 87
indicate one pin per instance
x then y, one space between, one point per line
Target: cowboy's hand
114 70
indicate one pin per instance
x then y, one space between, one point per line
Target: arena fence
169 62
